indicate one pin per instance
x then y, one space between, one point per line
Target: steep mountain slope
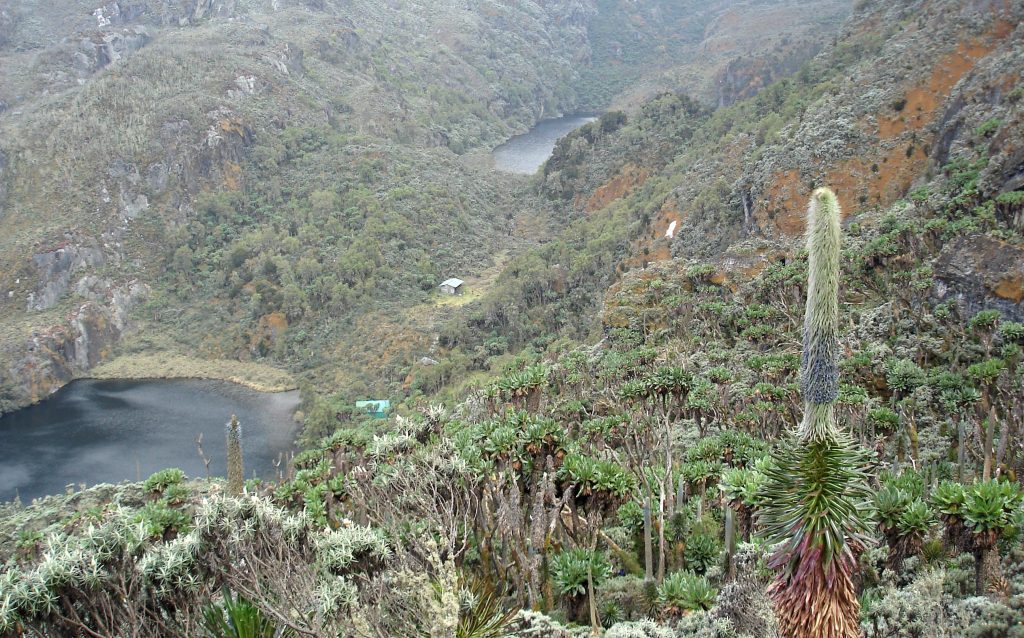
280 181
138 162
734 182
718 52
632 382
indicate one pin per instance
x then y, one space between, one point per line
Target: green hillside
733 365
275 183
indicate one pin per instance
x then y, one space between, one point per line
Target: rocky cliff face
47 358
54 269
872 144
981 273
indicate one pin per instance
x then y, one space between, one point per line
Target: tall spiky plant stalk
817 490
236 468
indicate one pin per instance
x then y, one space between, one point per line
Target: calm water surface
527 152
109 431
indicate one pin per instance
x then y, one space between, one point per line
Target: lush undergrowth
614 436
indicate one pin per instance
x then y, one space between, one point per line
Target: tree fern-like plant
988 511
816 492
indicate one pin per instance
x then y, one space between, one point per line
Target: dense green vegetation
727 435
287 183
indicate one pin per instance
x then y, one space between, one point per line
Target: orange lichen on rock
923 101
862 182
270 329
892 174
654 245
232 176
857 182
779 208
617 187
896 173
232 125
1011 288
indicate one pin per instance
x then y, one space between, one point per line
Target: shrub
531 624
702 551
904 376
631 515
641 629
159 519
984 320
248 544
988 127
629 594
884 418
569 570
684 591
1012 331
160 481
913 612
238 618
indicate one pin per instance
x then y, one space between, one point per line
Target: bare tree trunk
1004 437
665 498
730 543
662 553
961 450
595 623
989 434
988 569
648 543
915 452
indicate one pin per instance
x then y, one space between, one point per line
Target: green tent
375 408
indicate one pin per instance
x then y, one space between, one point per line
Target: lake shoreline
96 431
525 153
165 366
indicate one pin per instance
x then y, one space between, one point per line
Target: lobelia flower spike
819 372
817 489
236 469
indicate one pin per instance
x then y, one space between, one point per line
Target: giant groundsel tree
817 489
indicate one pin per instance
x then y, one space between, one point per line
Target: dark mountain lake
527 152
110 431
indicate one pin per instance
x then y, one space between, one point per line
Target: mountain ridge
152 123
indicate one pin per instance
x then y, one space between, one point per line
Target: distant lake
527 152
110 431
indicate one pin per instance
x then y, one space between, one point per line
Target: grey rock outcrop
55 268
163 12
51 357
981 273
103 48
287 59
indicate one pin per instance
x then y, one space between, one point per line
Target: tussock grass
259 377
